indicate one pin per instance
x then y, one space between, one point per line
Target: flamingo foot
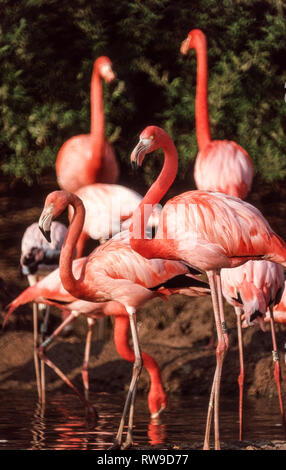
116 445
127 444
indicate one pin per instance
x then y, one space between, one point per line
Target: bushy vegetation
47 49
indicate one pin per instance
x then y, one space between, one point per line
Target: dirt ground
176 332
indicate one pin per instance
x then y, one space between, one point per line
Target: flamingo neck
70 283
141 215
97 123
201 101
121 341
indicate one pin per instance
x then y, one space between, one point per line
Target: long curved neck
97 122
70 283
141 215
201 102
121 341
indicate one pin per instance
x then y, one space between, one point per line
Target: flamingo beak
185 45
139 152
45 222
110 76
108 73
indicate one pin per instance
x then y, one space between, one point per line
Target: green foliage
47 50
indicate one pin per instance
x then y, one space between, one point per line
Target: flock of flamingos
207 241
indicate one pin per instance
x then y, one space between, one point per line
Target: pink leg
215 287
32 279
43 357
209 416
44 329
221 351
240 379
35 346
277 373
130 399
221 311
84 372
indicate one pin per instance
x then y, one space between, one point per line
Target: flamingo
108 210
253 288
50 291
221 165
205 230
114 272
38 258
89 158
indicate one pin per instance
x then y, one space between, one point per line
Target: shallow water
63 426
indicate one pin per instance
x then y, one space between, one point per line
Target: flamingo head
55 204
157 400
150 139
103 66
194 38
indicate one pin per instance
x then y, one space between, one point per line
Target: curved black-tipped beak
134 166
45 222
139 152
47 234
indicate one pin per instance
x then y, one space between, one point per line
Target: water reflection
156 432
24 424
38 428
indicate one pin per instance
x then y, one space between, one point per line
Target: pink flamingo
208 231
89 158
108 210
38 258
221 165
50 291
253 288
114 272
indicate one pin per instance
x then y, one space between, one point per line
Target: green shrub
47 49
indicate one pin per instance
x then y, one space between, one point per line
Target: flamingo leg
48 362
130 399
84 372
32 279
44 329
215 287
222 350
221 311
209 415
44 326
35 346
240 379
277 372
